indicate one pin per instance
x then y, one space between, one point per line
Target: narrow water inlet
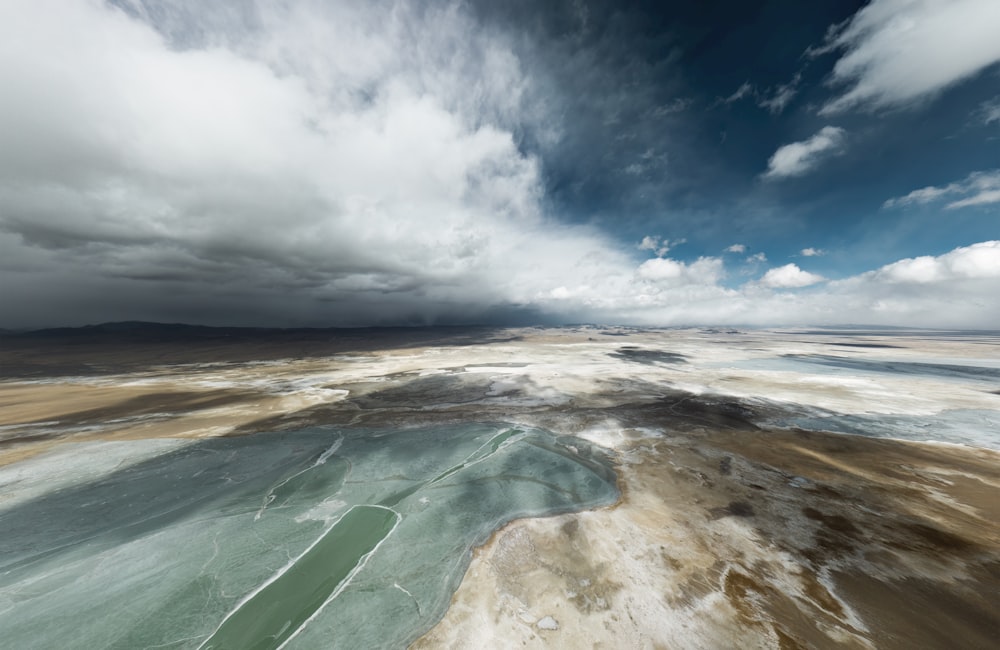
277 611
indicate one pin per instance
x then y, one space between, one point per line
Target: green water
276 612
323 538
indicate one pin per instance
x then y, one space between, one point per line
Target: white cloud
980 260
649 243
676 106
896 52
743 91
661 269
978 188
982 198
781 96
789 276
736 248
773 99
989 112
797 158
704 270
812 252
757 258
956 289
923 195
659 246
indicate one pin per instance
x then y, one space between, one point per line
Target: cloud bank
951 290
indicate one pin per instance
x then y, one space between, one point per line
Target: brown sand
753 539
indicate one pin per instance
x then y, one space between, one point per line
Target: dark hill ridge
149 332
109 348
130 329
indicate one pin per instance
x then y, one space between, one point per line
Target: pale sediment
768 540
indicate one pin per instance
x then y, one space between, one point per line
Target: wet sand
732 531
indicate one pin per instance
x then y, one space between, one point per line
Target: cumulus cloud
757 258
978 188
896 52
704 270
797 158
789 276
951 290
955 289
980 260
659 246
649 243
812 252
736 248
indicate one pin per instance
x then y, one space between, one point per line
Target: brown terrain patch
884 546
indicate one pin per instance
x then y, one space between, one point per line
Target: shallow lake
339 538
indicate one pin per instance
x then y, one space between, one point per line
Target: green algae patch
276 612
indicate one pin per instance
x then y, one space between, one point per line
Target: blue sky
388 162
706 93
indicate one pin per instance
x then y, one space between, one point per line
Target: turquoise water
971 427
321 538
967 370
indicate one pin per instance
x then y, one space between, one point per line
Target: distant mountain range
108 348
149 332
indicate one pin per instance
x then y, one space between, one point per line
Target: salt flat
751 511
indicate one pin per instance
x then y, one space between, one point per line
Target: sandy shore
736 528
752 540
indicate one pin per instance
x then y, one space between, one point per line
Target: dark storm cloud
372 189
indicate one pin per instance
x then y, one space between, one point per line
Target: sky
390 162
